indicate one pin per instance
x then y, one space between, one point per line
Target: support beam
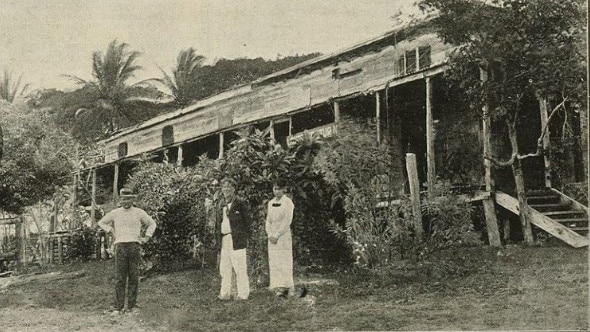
430 156
220 145
116 185
546 139
414 183
180 157
336 114
378 115
272 130
93 199
542 221
488 204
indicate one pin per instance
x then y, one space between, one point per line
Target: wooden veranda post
488 203
430 156
180 156
116 184
220 145
414 183
378 116
93 199
546 139
336 113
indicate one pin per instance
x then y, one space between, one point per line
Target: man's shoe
133 311
223 298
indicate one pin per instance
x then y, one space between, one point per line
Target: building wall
370 71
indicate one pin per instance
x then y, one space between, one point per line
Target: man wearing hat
125 223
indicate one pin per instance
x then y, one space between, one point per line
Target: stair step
545 199
574 223
579 229
552 206
563 213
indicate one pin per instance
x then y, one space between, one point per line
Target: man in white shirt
125 223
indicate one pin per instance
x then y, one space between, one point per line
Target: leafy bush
447 220
176 196
82 244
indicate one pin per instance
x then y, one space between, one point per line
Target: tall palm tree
183 81
10 89
108 98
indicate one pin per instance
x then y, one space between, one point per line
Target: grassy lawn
482 288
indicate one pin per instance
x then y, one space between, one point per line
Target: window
167 135
424 60
122 149
401 65
410 61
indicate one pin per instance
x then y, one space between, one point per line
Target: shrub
176 196
447 220
82 244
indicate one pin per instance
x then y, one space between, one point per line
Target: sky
43 40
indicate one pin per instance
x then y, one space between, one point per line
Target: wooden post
488 203
412 168
272 130
220 145
60 249
378 116
546 139
180 156
336 114
22 234
116 184
430 156
51 248
93 199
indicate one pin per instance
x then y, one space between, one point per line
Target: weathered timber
546 139
488 204
93 199
378 115
545 223
414 183
116 184
430 154
367 71
571 201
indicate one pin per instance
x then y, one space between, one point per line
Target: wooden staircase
555 213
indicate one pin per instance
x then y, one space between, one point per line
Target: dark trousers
127 258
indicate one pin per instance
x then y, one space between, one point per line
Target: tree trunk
524 215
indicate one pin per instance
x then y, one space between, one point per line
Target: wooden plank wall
251 104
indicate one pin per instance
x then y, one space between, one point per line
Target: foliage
527 47
176 197
447 220
109 103
82 244
183 82
37 158
361 172
227 73
510 52
10 87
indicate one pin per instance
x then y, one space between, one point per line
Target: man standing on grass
125 223
233 225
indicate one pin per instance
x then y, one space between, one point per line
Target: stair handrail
572 201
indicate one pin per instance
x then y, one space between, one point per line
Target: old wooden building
394 80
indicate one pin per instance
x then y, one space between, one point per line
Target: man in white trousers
233 225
